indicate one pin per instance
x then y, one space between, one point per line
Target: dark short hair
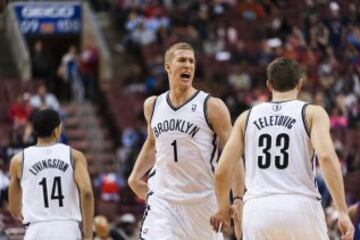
284 74
45 122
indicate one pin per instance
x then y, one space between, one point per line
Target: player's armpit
15 192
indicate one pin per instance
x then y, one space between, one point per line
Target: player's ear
269 85
299 84
167 67
57 131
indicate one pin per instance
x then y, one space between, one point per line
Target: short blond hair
169 54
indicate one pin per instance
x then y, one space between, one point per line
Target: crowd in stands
234 41
74 78
19 115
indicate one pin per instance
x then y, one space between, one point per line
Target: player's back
279 158
48 186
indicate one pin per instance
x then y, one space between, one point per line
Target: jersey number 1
56 192
175 150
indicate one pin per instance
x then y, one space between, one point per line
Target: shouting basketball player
185 128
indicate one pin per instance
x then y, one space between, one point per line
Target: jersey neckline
187 101
282 101
43 146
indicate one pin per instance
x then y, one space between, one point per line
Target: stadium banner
48 17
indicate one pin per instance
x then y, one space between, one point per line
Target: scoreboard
48 17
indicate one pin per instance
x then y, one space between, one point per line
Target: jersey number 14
56 192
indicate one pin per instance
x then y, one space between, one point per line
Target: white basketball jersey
279 158
49 191
186 149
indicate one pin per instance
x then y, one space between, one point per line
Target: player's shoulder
16 164
217 109
150 101
215 103
315 110
77 155
242 119
17 158
149 105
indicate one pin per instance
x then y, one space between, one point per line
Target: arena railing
19 48
92 32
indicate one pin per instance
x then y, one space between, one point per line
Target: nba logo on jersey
193 108
276 107
47 151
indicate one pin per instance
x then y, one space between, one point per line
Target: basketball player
280 141
50 188
354 212
185 126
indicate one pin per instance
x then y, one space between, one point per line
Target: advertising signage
49 17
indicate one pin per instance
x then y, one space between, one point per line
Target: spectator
42 65
251 10
20 111
337 119
69 73
353 37
44 99
89 59
143 36
102 228
109 184
124 228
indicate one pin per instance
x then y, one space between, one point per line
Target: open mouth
185 76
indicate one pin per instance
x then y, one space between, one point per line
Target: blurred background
96 61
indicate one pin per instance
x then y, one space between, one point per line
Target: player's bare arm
146 158
353 212
15 192
230 159
220 120
82 179
329 163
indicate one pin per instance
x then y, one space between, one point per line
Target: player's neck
284 96
179 96
46 141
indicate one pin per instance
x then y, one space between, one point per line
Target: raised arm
83 182
15 192
230 159
329 164
146 158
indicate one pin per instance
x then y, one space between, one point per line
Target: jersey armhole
153 110
305 123
71 158
246 122
206 112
